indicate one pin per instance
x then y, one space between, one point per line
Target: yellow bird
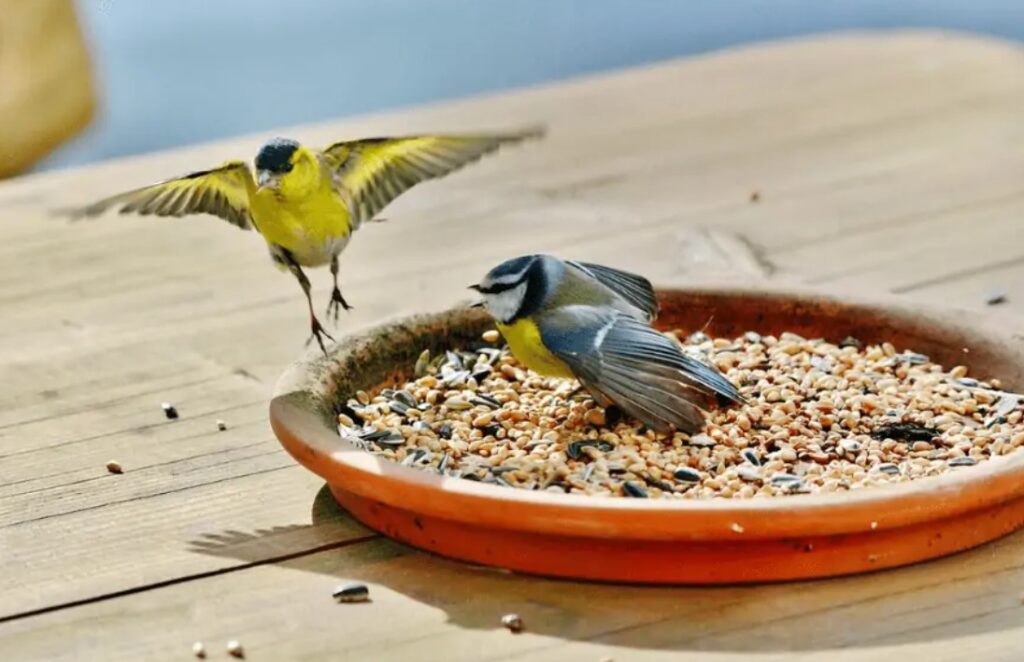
307 202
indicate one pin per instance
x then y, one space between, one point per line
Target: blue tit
593 323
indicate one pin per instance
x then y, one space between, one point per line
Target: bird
307 202
563 318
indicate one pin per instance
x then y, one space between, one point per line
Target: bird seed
352 593
818 417
513 623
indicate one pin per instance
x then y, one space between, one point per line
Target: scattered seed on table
874 525
199 650
491 335
221 425
352 593
169 410
513 623
737 527
114 467
235 649
755 196
995 297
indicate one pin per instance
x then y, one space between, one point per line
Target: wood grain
889 162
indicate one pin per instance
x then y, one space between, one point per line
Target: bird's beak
266 179
475 286
477 304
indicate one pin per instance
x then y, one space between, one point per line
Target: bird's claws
318 332
337 303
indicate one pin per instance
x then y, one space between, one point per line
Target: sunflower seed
783 479
1007 403
964 461
913 358
351 593
850 341
445 431
687 475
454 360
904 432
169 410
442 463
399 408
405 398
750 455
485 401
383 438
631 489
455 378
888 468
414 457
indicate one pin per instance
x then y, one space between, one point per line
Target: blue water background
174 72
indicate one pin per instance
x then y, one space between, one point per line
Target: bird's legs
317 330
337 301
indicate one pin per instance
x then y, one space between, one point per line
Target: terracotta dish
655 540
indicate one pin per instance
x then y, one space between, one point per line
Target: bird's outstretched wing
372 172
635 289
225 192
624 361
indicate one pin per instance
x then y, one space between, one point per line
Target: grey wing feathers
635 289
639 369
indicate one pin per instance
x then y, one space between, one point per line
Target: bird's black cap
275 155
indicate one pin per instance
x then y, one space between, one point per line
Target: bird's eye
288 167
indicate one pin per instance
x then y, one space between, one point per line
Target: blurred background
174 72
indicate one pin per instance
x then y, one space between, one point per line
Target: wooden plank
427 608
857 147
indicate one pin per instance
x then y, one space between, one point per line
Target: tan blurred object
46 86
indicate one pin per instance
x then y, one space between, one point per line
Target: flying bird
307 202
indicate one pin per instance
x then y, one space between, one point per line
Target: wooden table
886 162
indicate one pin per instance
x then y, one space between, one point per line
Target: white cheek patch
503 306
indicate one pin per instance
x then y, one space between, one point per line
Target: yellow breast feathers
524 340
